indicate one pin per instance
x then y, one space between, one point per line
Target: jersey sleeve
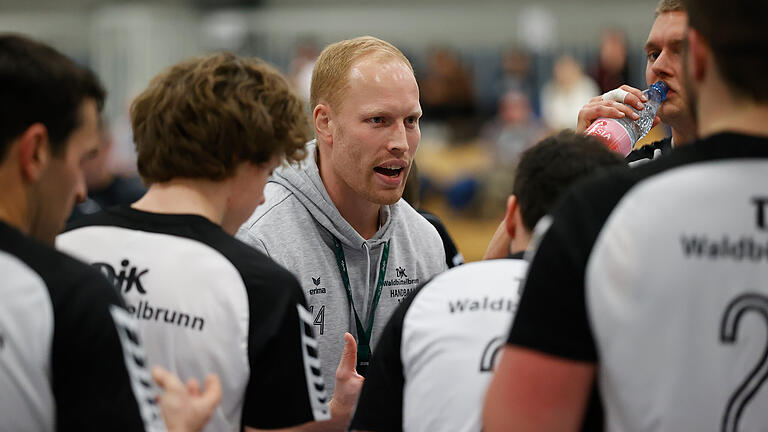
552 316
385 381
286 386
94 388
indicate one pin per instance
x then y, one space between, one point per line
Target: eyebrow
387 113
675 44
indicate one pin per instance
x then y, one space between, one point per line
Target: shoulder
278 201
73 286
413 222
257 270
650 151
101 217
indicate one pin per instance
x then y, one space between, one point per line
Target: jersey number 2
756 378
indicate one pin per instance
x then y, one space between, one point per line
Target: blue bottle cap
661 87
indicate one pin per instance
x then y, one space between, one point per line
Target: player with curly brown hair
208 133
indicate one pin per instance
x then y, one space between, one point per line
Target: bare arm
535 391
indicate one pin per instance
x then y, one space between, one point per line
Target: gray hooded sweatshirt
296 227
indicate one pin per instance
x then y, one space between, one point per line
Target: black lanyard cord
363 334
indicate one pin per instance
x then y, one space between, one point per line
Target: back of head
203 117
331 74
738 37
549 168
41 85
665 6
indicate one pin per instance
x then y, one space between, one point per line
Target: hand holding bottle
624 129
610 106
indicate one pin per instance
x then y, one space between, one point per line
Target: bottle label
613 133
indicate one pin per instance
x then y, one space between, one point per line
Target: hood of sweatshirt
303 180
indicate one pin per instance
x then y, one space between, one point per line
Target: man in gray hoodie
337 220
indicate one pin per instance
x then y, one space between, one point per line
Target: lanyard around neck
363 334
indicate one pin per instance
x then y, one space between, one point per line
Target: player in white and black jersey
437 353
653 282
208 132
664 62
70 358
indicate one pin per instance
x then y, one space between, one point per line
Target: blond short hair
331 73
665 6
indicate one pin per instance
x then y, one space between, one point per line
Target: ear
699 54
321 117
34 152
509 216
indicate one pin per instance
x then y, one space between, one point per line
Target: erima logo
317 290
125 280
401 272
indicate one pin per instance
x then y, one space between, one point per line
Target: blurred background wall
495 76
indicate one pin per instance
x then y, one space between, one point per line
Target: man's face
664 52
375 133
62 184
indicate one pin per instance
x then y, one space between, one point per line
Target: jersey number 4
756 378
319 318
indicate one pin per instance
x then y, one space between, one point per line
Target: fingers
601 108
165 379
634 101
348 357
211 395
637 93
193 387
656 120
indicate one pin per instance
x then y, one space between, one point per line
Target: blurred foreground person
208 132
437 353
70 359
647 282
664 53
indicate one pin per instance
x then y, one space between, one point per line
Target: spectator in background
447 95
300 76
611 70
518 76
514 129
106 188
564 96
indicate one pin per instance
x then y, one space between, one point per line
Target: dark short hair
737 33
41 85
549 168
203 117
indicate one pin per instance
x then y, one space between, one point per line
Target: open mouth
390 171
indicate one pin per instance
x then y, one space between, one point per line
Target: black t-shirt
647 272
649 152
453 257
208 303
63 340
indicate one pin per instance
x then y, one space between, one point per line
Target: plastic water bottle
621 134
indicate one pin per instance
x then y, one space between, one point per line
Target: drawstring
367 270
367 251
